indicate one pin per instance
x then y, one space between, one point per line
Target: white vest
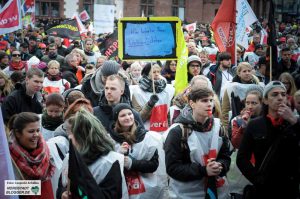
142 97
57 86
155 183
199 144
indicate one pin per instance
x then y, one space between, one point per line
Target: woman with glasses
169 71
16 64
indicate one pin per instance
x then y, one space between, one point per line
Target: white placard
104 18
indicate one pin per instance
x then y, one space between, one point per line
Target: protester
113 94
69 70
33 47
52 55
135 73
52 115
286 64
25 98
197 150
221 73
141 156
53 82
205 62
94 85
152 98
29 152
88 51
97 152
271 137
297 103
6 86
16 64
194 66
61 50
234 92
4 60
289 83
169 71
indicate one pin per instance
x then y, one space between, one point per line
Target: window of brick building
147 8
88 5
47 8
176 5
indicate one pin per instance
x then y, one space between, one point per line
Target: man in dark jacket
221 73
52 55
113 94
286 64
273 138
25 97
33 47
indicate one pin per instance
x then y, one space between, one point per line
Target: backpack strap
186 132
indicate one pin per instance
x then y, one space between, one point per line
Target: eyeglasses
16 55
195 65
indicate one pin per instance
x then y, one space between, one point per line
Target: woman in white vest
152 105
197 151
96 150
143 155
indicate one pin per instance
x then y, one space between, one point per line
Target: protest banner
10 17
67 29
153 38
104 18
28 12
245 18
109 47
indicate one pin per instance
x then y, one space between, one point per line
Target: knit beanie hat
109 68
193 58
118 108
271 85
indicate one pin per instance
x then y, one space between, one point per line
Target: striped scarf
34 165
146 84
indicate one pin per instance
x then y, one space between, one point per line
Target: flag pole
153 86
271 58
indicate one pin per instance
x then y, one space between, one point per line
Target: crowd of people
231 133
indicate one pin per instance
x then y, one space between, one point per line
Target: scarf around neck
17 65
34 165
146 84
51 123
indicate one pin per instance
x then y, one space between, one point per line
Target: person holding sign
153 104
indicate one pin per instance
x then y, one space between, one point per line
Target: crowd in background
138 137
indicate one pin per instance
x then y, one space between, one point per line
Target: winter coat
18 101
280 178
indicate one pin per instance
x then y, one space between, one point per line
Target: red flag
10 17
223 26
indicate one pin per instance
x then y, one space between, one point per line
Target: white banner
245 18
104 18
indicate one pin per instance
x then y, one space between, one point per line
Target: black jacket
143 166
104 111
89 93
69 73
280 179
178 162
18 101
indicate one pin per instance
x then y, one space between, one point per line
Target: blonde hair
8 86
289 78
53 62
81 53
297 94
241 66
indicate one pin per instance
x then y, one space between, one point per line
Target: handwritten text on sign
149 39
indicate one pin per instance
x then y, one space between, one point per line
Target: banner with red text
10 17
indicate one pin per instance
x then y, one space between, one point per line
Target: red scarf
17 65
275 121
34 165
